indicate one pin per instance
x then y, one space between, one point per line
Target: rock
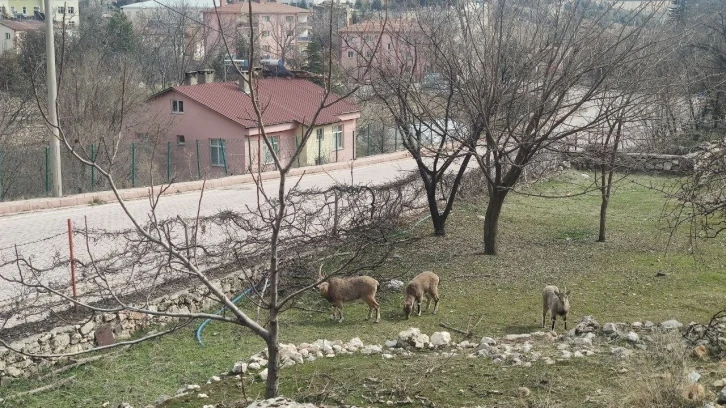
514 337
566 354
355 342
563 346
387 356
671 325
215 379
263 374
162 399
124 405
578 354
395 285
487 341
548 361
620 352
632 337
609 328
104 335
648 325
279 402
254 366
371 349
693 377
722 396
523 392
440 339
582 342
202 395
700 351
391 343
719 383
694 392
636 325
240 367
86 328
13 372
413 337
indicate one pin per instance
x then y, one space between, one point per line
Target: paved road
43 234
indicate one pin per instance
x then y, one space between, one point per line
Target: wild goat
339 290
425 283
555 302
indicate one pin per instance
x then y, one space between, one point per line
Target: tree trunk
603 217
272 387
491 222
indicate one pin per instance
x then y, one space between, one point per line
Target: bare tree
399 50
528 76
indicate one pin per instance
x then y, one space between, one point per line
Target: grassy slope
542 241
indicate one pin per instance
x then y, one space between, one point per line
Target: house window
266 19
61 10
369 54
36 9
177 106
7 36
275 142
25 10
71 24
290 33
338 137
289 19
216 146
265 34
71 10
180 140
319 134
350 54
390 46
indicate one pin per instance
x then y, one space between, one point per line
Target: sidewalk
22 206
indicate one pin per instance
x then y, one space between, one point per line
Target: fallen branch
80 363
43 388
469 327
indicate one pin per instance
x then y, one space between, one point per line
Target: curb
46 203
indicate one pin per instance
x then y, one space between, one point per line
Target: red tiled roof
23 25
283 100
259 8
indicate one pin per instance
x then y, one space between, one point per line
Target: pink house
280 30
214 131
377 48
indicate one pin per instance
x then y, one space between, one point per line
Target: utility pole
55 162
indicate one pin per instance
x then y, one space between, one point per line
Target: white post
55 162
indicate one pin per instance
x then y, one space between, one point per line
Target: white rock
671 325
387 356
512 337
632 337
202 395
240 367
488 341
356 342
566 354
636 325
395 285
279 402
578 354
254 366
440 339
263 374
609 328
693 377
391 343
548 361
215 379
87 328
563 346
371 349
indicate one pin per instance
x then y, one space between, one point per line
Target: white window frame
7 36
36 8
275 142
338 142
25 10
61 10
218 146
177 106
71 10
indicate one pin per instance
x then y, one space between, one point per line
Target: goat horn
320 272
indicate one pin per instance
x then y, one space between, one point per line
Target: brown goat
339 290
424 284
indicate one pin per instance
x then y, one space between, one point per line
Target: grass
542 241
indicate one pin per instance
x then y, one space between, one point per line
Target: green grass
614 281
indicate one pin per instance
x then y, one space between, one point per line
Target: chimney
244 84
190 78
206 76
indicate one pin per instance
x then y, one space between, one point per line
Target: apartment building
65 11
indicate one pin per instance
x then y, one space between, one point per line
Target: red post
73 264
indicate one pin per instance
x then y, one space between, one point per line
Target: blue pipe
206 322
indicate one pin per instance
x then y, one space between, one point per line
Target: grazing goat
425 283
555 302
339 290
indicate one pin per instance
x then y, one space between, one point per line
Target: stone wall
640 162
109 327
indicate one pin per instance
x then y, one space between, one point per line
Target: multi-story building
374 48
12 33
65 11
280 31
